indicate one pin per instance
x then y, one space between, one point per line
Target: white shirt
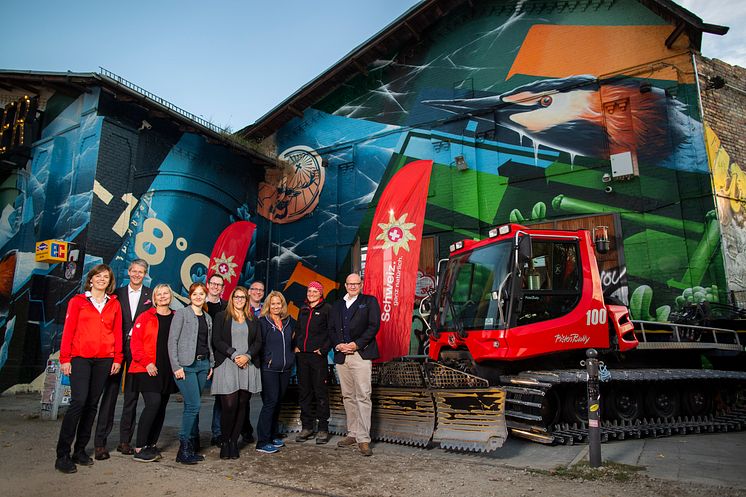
134 296
350 300
98 305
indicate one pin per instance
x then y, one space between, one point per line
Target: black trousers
87 380
313 393
274 385
247 431
151 418
105 422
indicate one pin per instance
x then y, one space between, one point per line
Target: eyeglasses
256 289
215 284
353 284
239 297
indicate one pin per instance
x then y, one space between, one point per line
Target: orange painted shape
562 51
303 276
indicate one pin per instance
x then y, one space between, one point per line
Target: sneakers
346 442
364 448
322 437
65 465
82 458
267 449
277 442
146 454
304 435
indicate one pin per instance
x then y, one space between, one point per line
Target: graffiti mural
730 190
526 124
116 193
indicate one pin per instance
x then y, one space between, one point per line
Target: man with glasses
215 304
354 324
256 296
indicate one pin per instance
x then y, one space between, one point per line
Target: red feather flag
394 253
229 254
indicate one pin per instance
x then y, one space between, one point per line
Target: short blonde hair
265 307
161 286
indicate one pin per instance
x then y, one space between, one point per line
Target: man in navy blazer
135 299
354 324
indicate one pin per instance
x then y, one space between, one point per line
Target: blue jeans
274 384
195 376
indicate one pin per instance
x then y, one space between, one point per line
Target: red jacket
92 334
144 340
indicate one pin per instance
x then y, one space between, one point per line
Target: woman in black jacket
277 363
311 345
236 341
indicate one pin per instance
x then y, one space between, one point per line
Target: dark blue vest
346 316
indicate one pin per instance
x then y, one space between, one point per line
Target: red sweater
144 340
92 334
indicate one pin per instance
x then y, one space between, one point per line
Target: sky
231 61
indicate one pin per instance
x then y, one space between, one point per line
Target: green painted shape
655 256
455 190
472 235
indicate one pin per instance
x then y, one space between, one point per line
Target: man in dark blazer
354 324
135 298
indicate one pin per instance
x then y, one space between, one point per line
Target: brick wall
114 171
724 108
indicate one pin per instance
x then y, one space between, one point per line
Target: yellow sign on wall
51 251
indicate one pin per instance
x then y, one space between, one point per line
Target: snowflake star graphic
224 267
396 233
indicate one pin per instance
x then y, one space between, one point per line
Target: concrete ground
708 459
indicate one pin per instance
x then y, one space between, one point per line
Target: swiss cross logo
395 234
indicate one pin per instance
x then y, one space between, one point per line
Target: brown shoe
365 448
125 449
101 454
346 442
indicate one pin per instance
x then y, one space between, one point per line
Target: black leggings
234 409
151 418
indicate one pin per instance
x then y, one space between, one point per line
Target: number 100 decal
595 316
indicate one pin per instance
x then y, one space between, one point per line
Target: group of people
245 344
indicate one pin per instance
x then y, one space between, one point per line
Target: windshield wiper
456 318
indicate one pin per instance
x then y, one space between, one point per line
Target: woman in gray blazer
190 351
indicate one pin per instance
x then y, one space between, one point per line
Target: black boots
186 453
229 450
225 450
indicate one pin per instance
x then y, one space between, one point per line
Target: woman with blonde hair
90 351
277 362
190 353
236 341
150 371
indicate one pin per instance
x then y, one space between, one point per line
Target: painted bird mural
579 115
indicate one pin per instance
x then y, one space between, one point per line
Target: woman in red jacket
90 351
151 371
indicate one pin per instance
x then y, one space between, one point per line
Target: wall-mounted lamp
601 239
460 162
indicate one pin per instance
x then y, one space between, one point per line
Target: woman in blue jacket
277 362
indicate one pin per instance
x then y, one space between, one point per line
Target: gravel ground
27 469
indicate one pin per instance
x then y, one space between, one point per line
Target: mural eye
545 101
